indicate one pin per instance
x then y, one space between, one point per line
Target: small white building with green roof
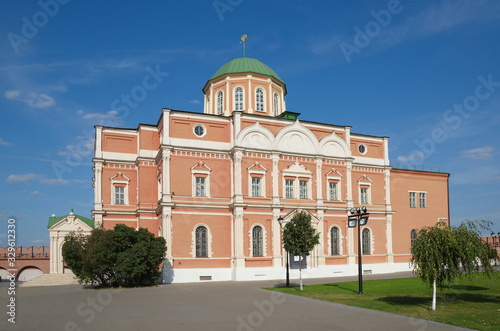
59 227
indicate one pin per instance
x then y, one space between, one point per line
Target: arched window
257 242
220 102
366 242
335 241
259 95
276 105
413 237
201 235
238 98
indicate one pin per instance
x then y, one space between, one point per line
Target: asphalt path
241 306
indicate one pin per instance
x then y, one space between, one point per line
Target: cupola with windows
246 85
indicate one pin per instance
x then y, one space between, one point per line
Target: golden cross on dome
243 41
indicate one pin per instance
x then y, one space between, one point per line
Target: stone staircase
51 280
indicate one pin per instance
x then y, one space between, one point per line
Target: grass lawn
471 303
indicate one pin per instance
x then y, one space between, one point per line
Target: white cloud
38 193
12 94
32 99
195 102
42 179
4 143
22 178
111 118
482 153
436 18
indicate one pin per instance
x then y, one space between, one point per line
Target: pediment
288 217
69 224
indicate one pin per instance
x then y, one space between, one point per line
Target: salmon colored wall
343 183
373 149
377 187
267 164
201 263
249 221
149 139
258 262
339 222
181 175
183 128
183 227
119 143
406 218
127 171
148 185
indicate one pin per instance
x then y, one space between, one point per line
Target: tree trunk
434 295
300 275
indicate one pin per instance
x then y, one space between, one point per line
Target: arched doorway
28 273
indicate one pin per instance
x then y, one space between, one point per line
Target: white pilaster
276 179
166 188
237 156
97 185
319 182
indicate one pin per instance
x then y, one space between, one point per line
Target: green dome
244 65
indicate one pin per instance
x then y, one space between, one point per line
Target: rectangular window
332 188
289 188
423 200
200 187
256 187
413 199
119 195
303 189
364 196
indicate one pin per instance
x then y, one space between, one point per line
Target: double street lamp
280 221
359 217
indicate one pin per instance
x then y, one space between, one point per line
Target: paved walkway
240 306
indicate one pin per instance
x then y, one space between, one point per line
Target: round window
362 148
199 130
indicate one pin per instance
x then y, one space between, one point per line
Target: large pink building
213 184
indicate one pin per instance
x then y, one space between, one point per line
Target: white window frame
333 176
413 199
289 189
364 198
330 247
370 243
424 199
303 189
418 199
220 103
260 97
209 242
298 172
120 182
264 241
257 170
196 172
366 183
238 102
276 104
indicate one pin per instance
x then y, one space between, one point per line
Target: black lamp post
359 217
280 221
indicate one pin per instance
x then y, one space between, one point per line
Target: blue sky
426 74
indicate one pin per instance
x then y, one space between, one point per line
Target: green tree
118 257
441 254
299 237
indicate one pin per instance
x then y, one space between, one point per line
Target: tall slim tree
299 237
441 253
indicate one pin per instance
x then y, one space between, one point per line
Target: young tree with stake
299 237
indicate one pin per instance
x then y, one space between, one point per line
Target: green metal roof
54 219
244 65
